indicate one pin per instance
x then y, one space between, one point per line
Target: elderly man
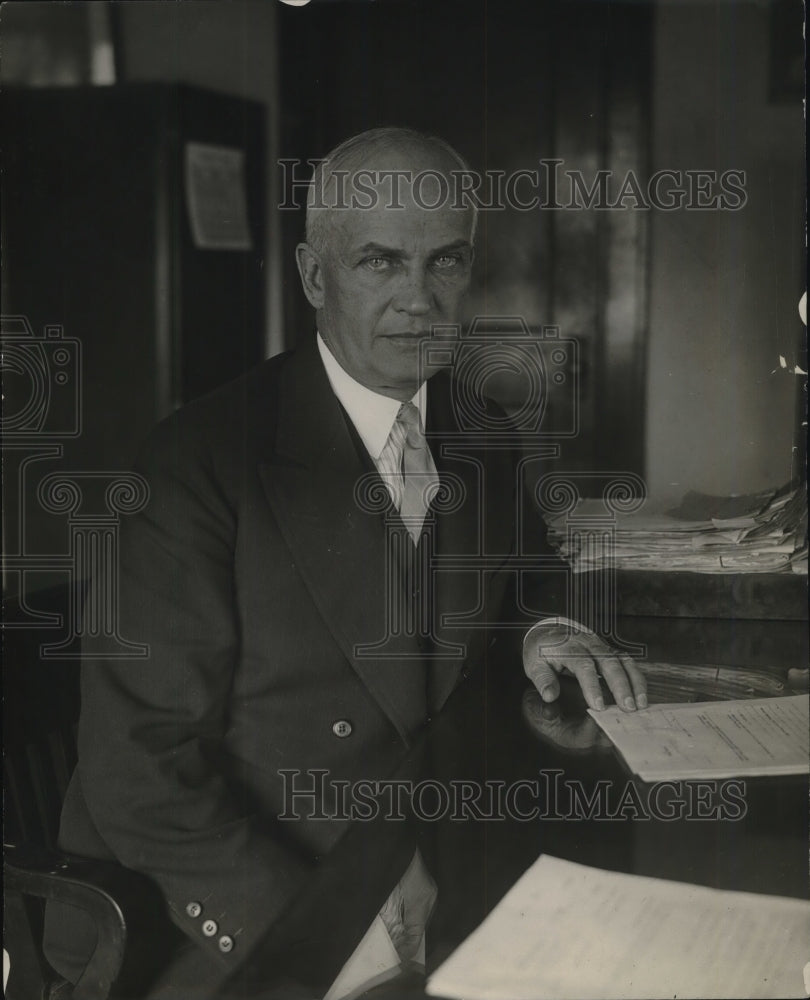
265 580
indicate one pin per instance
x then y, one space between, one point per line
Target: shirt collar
372 414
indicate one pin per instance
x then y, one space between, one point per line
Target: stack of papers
719 739
756 533
567 930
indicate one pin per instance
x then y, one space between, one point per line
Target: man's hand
551 650
577 734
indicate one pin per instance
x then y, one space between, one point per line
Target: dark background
680 319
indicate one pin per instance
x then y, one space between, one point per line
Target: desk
484 739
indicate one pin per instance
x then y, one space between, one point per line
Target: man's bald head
384 166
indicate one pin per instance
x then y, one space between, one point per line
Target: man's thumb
545 680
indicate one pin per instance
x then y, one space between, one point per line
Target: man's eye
447 261
376 263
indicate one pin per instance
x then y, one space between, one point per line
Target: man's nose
413 296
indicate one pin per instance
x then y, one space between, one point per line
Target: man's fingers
612 669
588 659
544 678
637 679
584 669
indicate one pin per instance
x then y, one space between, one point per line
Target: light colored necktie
420 481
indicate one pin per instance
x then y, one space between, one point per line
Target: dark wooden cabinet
114 314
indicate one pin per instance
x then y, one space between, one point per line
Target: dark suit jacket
255 576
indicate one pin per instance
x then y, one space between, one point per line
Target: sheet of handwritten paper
722 739
570 931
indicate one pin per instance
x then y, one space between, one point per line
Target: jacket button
225 944
193 910
342 728
209 928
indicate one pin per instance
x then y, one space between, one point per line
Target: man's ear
309 267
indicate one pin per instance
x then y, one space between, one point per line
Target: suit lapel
478 525
331 511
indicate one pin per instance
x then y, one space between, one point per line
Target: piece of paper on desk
718 739
760 533
567 930
373 961
704 506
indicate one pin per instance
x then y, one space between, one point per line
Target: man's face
386 277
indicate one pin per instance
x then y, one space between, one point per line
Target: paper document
717 739
760 533
373 961
567 930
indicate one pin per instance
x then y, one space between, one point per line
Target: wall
230 47
724 285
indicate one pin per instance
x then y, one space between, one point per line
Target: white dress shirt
373 416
